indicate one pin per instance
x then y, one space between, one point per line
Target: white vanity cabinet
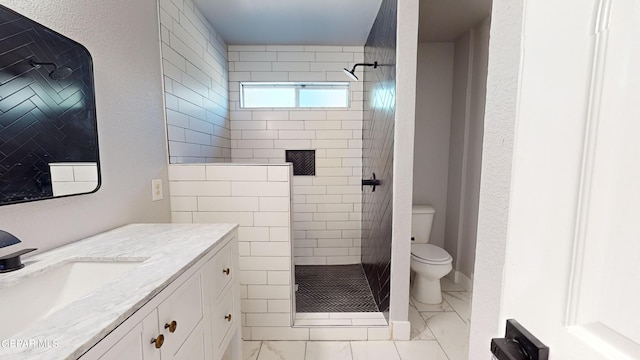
196 317
182 321
224 297
135 345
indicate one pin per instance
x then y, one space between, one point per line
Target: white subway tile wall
203 193
258 198
326 215
73 178
194 62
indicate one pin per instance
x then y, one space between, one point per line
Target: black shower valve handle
370 182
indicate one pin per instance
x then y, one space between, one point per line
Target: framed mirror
48 129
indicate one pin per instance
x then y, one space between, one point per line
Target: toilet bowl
429 262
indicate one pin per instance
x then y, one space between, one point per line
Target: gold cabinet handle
228 317
172 326
226 271
158 341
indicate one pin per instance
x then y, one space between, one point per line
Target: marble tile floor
438 332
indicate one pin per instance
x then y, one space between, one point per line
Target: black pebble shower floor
333 288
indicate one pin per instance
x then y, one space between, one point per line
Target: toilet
429 262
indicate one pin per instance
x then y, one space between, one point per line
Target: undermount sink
39 296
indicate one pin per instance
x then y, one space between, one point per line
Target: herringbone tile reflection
41 120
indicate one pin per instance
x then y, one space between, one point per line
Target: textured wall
326 212
377 152
194 61
122 36
505 52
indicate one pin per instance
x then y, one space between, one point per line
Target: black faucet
12 261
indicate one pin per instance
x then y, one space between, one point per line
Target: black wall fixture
47 108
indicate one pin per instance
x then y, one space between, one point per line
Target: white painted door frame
556 232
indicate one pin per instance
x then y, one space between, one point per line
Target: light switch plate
156 190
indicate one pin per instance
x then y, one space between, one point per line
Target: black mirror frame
90 99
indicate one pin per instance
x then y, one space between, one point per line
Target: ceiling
446 20
291 22
331 22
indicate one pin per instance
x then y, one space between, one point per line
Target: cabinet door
222 270
197 345
185 306
223 318
136 344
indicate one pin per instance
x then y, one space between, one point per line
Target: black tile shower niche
47 113
304 161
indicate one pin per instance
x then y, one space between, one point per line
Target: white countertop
168 250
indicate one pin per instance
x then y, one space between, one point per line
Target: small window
269 97
294 95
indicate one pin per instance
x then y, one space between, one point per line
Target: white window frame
297 86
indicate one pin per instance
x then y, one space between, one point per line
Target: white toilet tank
421 221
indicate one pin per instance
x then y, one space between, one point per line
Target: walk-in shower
365 287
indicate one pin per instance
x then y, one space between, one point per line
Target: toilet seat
430 254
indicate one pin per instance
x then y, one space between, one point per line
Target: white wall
406 64
433 121
194 61
473 157
467 127
459 116
122 37
505 51
448 142
326 211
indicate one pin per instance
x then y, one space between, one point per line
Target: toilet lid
430 253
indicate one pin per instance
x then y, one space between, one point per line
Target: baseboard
400 330
464 281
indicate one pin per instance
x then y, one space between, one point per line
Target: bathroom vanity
143 291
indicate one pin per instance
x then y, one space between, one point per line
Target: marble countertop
166 251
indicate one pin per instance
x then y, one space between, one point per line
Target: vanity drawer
223 270
185 307
223 318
